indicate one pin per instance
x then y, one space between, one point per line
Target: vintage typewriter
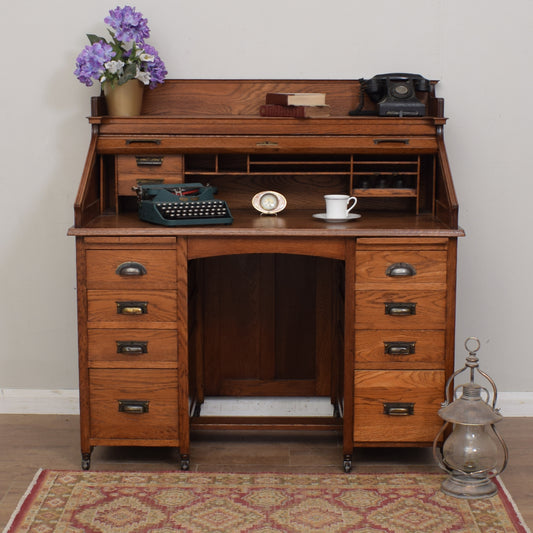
181 204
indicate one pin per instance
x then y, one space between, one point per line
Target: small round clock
269 202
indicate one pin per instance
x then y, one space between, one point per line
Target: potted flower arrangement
123 65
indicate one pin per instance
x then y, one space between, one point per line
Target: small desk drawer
397 406
131 268
133 348
136 170
134 404
390 268
131 308
398 348
400 309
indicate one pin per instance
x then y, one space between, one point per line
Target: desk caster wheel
347 464
185 462
85 461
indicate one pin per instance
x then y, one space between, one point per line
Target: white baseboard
39 401
66 402
514 404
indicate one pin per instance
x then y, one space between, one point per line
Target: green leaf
129 73
112 33
131 68
118 51
94 38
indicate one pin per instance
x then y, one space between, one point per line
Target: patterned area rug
164 502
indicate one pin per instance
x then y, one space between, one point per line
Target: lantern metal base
468 487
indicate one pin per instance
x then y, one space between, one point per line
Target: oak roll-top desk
362 312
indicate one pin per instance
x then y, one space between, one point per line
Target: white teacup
337 205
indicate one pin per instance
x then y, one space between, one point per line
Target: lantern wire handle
472 345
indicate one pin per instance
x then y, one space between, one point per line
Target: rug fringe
22 500
511 503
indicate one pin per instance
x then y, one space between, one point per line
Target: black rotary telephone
394 95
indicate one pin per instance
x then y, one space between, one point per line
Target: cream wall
480 50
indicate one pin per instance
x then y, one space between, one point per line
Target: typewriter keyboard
193 210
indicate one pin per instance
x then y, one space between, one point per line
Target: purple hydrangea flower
128 24
90 62
125 57
155 68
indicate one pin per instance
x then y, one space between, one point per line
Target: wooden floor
30 442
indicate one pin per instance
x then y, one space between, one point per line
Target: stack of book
299 105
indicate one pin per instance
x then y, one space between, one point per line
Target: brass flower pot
124 100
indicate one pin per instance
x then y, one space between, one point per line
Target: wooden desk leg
183 352
349 352
83 348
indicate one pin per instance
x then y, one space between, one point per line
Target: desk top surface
296 223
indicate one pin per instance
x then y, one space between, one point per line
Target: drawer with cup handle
423 349
416 309
397 407
132 348
133 170
392 268
131 268
131 308
133 404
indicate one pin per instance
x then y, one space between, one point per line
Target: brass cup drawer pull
400 270
132 308
142 141
132 347
146 161
397 141
268 144
147 181
130 268
398 408
399 348
400 308
136 407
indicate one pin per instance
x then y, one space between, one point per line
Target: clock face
269 202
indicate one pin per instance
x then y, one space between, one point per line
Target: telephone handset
394 95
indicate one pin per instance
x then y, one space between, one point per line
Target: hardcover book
298 111
296 98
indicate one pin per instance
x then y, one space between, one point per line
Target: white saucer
351 216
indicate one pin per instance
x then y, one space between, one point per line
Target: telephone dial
394 95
